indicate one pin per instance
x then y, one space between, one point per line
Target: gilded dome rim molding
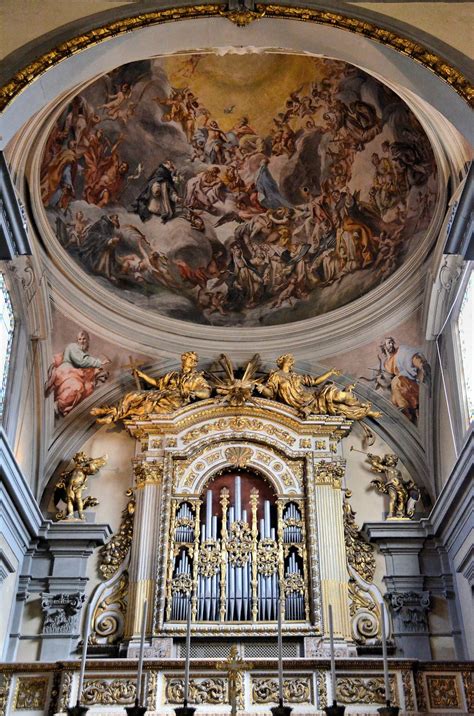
102 33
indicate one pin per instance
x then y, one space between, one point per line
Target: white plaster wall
7 594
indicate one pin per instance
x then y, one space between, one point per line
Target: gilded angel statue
294 389
403 494
72 484
169 392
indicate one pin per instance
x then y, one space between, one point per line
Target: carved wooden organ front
237 548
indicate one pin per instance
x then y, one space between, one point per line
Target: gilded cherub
170 391
72 484
403 494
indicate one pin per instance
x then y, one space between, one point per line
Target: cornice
433 62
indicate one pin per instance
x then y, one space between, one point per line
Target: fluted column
332 552
142 571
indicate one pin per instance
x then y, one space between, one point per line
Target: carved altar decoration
73 482
365 598
237 507
403 494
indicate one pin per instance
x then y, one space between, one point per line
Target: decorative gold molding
436 64
238 423
364 690
30 693
148 473
329 473
5 684
297 690
114 552
206 690
443 692
408 693
360 553
117 692
468 684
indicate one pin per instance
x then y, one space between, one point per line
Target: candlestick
280 710
333 660
385 660
84 654
280 654
79 710
142 652
386 710
188 653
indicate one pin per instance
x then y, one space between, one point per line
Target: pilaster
70 546
142 570
401 543
332 555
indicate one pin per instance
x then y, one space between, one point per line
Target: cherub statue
72 484
293 389
170 391
403 494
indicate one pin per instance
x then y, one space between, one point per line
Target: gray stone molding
409 611
61 612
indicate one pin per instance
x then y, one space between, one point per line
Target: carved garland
114 552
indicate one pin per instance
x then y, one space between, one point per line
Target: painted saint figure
159 196
74 375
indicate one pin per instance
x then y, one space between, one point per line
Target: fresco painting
81 363
238 190
394 365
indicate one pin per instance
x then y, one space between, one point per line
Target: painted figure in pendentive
72 484
403 494
407 368
171 391
74 374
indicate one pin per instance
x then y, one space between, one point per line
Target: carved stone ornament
443 692
408 692
103 692
61 612
30 693
410 610
364 690
108 619
365 613
207 690
295 690
114 552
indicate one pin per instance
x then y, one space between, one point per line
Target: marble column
142 570
332 553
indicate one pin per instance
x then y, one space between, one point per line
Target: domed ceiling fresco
239 189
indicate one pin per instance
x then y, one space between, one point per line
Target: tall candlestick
280 653
333 660
142 652
84 654
384 656
188 653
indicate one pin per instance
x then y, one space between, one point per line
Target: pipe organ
237 551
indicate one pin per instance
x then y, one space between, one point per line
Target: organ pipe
239 560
